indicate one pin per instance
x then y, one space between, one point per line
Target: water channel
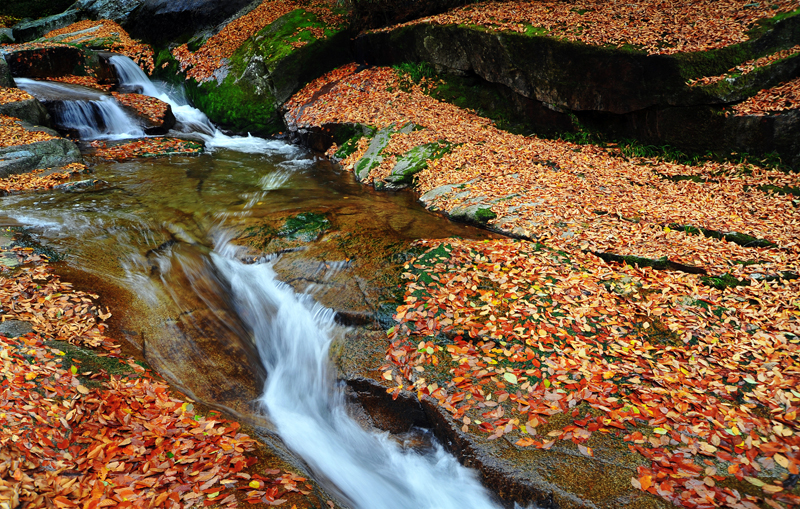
223 328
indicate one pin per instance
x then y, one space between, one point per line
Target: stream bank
521 186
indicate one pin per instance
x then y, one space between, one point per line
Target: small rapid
369 469
90 114
163 248
190 119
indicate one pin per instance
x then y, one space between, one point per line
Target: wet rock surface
15 328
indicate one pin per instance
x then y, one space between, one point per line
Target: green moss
87 360
236 106
275 41
533 31
167 68
307 226
784 190
485 215
249 102
482 97
347 137
718 61
737 238
416 160
347 147
724 281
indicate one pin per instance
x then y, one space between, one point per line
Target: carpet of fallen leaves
209 58
86 81
747 67
109 35
12 95
38 180
698 378
203 63
656 26
149 107
783 97
76 438
12 133
688 376
148 147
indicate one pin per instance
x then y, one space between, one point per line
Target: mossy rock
266 70
237 106
416 160
569 74
306 227
372 157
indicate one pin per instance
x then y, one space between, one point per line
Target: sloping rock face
557 478
162 21
42 154
116 10
617 92
30 30
265 71
29 110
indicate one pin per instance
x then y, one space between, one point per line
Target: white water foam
190 119
94 116
308 408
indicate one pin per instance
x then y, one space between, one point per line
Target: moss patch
307 226
236 106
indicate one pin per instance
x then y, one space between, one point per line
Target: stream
221 327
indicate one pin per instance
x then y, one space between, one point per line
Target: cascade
368 469
90 114
190 119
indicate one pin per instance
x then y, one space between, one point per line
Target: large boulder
33 8
29 110
265 71
162 21
6 80
45 62
57 60
115 10
50 153
30 30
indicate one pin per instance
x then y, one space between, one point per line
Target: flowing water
160 229
90 114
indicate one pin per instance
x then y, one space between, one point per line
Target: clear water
159 229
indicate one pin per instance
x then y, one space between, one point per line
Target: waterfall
91 114
96 119
308 408
190 119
